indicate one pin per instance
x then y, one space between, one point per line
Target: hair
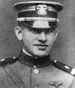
20 24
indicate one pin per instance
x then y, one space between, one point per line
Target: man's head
37 23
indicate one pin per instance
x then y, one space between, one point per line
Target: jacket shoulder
9 60
64 67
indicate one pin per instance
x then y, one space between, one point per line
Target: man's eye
49 30
35 30
38 31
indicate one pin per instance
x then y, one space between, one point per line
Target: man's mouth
41 45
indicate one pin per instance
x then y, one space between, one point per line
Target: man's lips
42 45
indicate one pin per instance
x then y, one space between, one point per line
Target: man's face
38 42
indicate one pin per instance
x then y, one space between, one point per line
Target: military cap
38 14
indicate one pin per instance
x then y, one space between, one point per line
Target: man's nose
42 37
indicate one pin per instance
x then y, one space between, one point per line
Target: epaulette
9 60
64 67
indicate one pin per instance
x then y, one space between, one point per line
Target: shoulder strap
9 60
64 67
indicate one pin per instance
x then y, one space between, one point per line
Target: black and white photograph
37 43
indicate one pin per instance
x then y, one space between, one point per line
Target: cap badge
41 9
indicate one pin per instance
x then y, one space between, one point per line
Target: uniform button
14 57
36 87
36 71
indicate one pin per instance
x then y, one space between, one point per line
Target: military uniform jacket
23 72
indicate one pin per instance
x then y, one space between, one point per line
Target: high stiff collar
31 61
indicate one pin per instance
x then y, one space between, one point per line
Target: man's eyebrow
39 29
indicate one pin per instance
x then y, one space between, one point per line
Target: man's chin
40 54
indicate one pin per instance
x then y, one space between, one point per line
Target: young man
37 29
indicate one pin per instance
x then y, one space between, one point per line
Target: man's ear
55 34
18 32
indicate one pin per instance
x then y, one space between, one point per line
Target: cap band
34 14
37 18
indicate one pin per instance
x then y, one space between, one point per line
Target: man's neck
31 61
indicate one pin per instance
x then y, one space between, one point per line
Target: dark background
63 48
